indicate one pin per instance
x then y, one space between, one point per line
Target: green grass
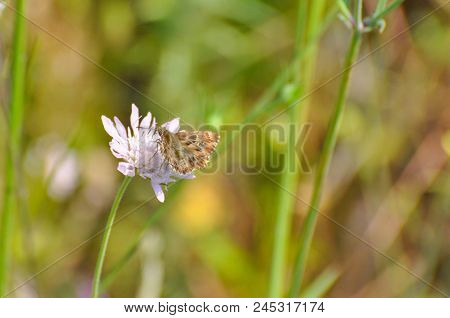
122 262
104 244
330 142
308 26
229 57
323 166
322 284
382 10
16 114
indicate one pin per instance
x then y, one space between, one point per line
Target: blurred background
209 62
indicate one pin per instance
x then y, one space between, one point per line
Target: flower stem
307 31
322 169
382 11
109 224
18 66
288 178
133 248
381 4
358 15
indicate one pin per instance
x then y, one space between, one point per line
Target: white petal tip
172 125
105 120
109 127
158 192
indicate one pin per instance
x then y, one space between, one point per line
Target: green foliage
218 63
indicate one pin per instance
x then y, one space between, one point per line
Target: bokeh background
209 62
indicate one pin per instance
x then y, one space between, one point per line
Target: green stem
106 235
115 269
345 10
285 203
358 15
322 169
322 284
281 233
381 4
111 275
268 99
382 13
18 66
306 39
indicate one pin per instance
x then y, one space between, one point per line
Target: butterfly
186 151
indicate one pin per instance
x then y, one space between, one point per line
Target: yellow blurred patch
446 142
200 208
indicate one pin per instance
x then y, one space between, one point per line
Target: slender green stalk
382 13
18 66
381 4
268 100
300 32
281 233
117 267
312 44
111 275
322 284
106 235
322 169
345 10
358 15
308 27
288 177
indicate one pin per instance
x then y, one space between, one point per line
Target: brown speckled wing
187 151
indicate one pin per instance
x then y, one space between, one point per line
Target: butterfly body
186 151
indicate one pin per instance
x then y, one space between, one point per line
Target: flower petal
134 119
145 123
118 155
126 169
153 125
109 127
118 148
158 191
173 125
120 128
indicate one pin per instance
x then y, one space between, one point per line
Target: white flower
138 148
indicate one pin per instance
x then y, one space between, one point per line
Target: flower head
139 151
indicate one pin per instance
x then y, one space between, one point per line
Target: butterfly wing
197 147
189 150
